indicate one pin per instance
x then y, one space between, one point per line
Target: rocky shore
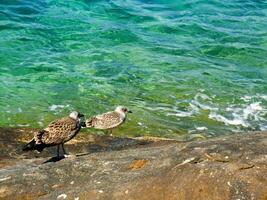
230 167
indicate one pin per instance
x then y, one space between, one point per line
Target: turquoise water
185 68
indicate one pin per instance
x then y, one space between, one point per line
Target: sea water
185 68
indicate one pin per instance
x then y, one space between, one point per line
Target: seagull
56 133
109 120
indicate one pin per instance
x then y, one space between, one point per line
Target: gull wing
57 131
107 120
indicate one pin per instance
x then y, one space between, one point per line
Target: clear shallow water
194 69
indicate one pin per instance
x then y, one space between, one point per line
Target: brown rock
225 168
137 164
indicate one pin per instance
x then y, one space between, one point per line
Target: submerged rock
232 167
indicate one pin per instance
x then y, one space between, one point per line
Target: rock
231 167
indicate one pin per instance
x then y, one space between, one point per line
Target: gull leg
110 132
57 151
66 155
64 152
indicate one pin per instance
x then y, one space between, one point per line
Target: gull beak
83 124
80 115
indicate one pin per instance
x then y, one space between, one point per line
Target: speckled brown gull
109 120
56 133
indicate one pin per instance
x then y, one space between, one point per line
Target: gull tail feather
33 146
89 123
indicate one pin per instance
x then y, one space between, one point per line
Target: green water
185 68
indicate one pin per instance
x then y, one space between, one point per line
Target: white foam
203 106
243 115
264 97
55 107
246 98
252 110
194 107
248 113
235 121
203 96
202 128
179 113
256 106
191 110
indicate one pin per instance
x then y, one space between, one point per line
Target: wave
247 114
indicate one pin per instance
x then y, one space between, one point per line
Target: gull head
75 115
122 109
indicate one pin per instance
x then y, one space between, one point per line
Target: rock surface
232 167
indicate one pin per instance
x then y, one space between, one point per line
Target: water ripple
194 67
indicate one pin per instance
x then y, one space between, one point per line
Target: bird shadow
106 144
54 159
92 144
